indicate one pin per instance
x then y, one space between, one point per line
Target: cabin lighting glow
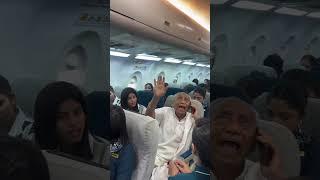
148 57
172 60
314 15
189 63
182 6
119 54
201 65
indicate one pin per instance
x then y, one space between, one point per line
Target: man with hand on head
234 134
176 125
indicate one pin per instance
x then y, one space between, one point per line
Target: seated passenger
308 62
188 88
20 159
255 84
286 105
148 87
276 62
234 133
13 121
199 94
129 101
113 98
175 125
61 124
195 81
304 78
179 169
123 157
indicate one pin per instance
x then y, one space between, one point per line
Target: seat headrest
169 101
62 168
199 109
144 97
173 91
221 91
286 143
97 107
143 132
311 123
236 72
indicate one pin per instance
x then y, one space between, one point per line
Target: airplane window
162 74
133 82
73 70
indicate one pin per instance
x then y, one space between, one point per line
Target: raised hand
159 88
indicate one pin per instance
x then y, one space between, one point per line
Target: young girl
123 158
129 101
61 124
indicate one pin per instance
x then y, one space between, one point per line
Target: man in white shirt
234 133
176 125
13 121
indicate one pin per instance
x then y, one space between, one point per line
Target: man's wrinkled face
233 131
181 104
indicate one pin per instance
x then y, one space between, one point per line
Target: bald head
181 104
233 129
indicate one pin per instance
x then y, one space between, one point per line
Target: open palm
159 89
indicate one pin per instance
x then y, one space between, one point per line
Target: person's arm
159 90
272 169
127 163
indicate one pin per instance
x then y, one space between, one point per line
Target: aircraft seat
97 114
62 167
260 105
173 91
311 123
144 97
169 101
292 66
220 91
236 72
26 91
199 113
143 133
286 144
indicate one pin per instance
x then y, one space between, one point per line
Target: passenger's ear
13 100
